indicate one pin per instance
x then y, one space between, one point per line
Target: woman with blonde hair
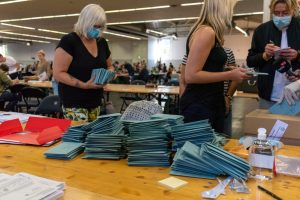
203 97
76 55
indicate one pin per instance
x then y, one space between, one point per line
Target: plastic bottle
261 155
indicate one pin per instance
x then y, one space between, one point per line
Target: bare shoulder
205 35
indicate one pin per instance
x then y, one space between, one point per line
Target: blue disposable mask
282 22
94 33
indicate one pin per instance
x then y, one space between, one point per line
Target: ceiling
153 17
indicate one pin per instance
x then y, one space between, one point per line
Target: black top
210 94
264 34
81 68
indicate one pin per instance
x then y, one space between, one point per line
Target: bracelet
228 96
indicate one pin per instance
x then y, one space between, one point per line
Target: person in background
12 65
280 33
76 55
43 70
203 97
5 95
143 73
164 68
229 90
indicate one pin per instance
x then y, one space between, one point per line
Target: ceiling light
150 21
17 26
42 17
50 31
156 32
137 9
242 31
13 1
22 39
192 4
122 35
251 13
29 35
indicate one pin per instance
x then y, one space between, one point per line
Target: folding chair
50 106
32 97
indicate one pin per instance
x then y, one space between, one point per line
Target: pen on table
269 193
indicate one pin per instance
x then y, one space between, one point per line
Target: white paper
278 130
43 76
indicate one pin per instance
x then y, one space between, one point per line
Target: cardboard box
263 119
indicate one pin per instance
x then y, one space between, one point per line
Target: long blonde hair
217 14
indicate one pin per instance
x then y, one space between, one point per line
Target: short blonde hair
41 52
292 5
216 14
90 15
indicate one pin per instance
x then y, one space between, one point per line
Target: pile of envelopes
197 132
148 142
105 138
75 134
102 76
65 151
171 119
208 161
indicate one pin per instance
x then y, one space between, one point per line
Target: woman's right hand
239 74
91 85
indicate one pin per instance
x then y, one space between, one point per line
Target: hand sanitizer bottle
261 155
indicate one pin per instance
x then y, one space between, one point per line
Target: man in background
13 67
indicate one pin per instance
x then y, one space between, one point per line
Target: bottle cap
261 134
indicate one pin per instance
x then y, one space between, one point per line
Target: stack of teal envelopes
75 134
208 161
171 119
65 151
102 76
197 132
148 142
105 138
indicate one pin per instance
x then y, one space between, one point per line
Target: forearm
232 88
203 77
66 78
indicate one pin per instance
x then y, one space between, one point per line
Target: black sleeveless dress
206 101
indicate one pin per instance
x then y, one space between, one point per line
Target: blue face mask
282 22
94 33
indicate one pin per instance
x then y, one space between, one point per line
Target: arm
109 64
182 83
62 61
200 47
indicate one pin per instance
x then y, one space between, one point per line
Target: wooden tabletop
124 88
104 179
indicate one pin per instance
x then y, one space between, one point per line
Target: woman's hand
238 74
227 105
91 85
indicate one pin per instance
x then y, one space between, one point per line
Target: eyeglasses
281 13
98 26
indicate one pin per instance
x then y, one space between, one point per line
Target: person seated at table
5 94
143 73
43 70
76 55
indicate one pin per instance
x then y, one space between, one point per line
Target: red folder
38 131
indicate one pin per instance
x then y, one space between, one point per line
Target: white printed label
262 161
278 130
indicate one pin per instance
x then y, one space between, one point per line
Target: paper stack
27 186
102 76
208 161
75 134
105 139
171 119
65 151
148 143
196 132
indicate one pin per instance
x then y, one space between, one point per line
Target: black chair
32 98
50 106
17 91
130 97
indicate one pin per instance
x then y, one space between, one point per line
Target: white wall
130 50
23 54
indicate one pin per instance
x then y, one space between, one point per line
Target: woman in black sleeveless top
203 97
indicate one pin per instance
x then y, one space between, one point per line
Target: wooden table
103 179
246 95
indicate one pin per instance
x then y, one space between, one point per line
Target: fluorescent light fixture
156 32
42 17
251 13
150 21
13 1
22 39
242 31
122 35
17 26
192 4
138 9
50 31
29 35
